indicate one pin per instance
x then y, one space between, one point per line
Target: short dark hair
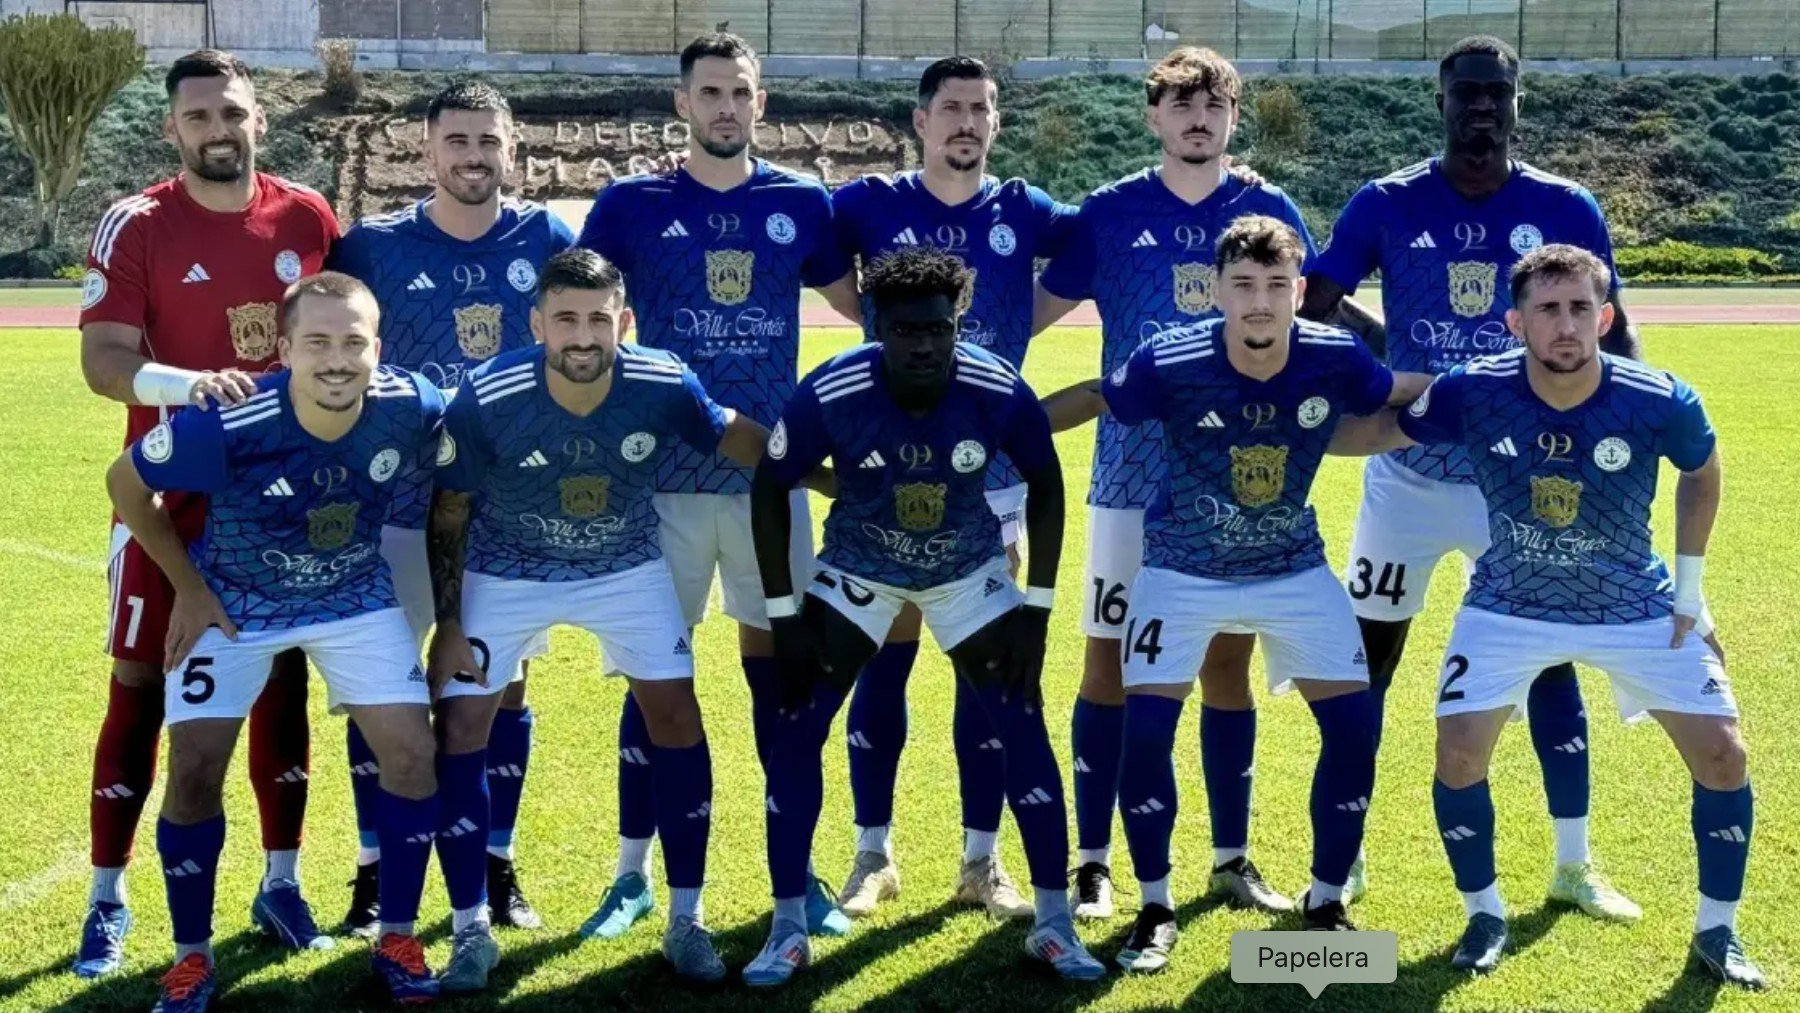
1558 261
578 268
1262 239
916 272
961 68
204 63
330 284
1480 45
1189 70
720 44
470 96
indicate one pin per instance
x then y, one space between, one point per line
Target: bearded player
179 308
1444 233
715 255
456 275
1142 249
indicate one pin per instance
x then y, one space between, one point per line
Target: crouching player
1566 442
544 494
299 476
911 423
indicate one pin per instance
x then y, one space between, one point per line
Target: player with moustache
178 309
456 276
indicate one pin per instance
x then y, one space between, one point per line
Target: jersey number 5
197 683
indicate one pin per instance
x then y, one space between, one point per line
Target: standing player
178 307
1248 403
298 478
911 424
1142 249
455 275
1565 443
715 255
998 229
1444 233
545 487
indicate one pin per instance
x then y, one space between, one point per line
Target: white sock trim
1714 913
466 917
1156 891
1485 902
1571 840
877 839
1225 856
108 886
634 856
281 865
1101 856
979 844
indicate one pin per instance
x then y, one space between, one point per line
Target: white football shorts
704 531
1493 659
1303 621
634 613
951 611
1008 505
1406 523
367 660
404 550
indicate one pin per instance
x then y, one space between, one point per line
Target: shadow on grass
240 955
1691 990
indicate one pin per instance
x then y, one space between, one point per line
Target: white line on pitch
14 546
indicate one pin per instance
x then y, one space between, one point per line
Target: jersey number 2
1455 668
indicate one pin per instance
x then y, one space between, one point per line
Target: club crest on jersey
1258 474
966 298
478 329
1555 501
1313 411
93 288
584 495
1193 288
446 451
1472 287
1001 239
330 526
1612 454
252 330
728 275
968 456
287 266
778 440
919 506
383 465
637 446
521 275
1525 238
158 445
781 228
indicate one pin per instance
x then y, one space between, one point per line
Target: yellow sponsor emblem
1194 288
1472 287
919 506
1555 501
1258 474
329 527
252 330
478 330
728 275
584 495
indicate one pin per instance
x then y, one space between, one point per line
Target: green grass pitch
919 953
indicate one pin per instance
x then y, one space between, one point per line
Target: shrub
343 82
1672 260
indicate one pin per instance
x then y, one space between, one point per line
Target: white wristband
157 384
1689 601
1040 597
782 607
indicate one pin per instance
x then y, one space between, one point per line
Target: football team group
404 452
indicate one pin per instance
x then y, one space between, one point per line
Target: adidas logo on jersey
195 274
535 459
1143 240
905 237
675 230
1149 806
1424 242
1734 834
681 647
422 283
1360 658
1036 796
874 460
279 487
1505 448
1712 687
1210 420
992 587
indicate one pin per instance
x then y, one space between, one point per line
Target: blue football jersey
1241 453
447 304
999 233
1445 260
558 496
293 523
1568 493
715 277
1145 257
910 510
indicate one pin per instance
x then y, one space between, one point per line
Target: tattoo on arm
446 548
